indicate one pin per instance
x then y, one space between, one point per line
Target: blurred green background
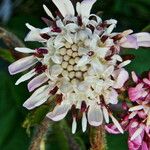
14 14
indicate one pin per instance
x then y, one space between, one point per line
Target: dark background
131 14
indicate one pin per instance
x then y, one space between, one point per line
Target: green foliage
11 116
6 55
146 29
141 62
35 117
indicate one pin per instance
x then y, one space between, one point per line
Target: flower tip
11 69
28 105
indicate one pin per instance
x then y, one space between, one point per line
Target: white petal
25 77
139 107
65 7
59 4
37 98
83 61
78 8
74 125
56 59
137 133
59 112
86 7
48 12
22 65
84 122
101 52
125 63
97 66
66 87
110 29
68 38
95 117
24 50
34 34
83 86
108 71
69 7
56 70
30 26
116 123
37 81
72 27
105 113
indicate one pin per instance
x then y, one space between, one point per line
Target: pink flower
136 119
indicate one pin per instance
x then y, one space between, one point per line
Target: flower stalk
38 141
98 138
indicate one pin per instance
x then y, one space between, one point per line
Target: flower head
79 63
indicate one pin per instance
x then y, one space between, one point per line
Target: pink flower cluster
136 121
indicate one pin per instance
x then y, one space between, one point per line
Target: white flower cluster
79 63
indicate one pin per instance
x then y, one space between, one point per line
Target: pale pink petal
145 146
143 39
59 112
112 129
134 77
129 42
134 145
116 123
22 65
113 97
137 133
37 81
121 77
145 80
95 117
37 98
136 92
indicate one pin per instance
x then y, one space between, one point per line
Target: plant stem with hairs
97 138
38 141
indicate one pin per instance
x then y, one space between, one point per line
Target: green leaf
141 62
12 134
117 142
146 29
35 117
6 55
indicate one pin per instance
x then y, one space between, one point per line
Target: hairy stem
97 138
38 141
